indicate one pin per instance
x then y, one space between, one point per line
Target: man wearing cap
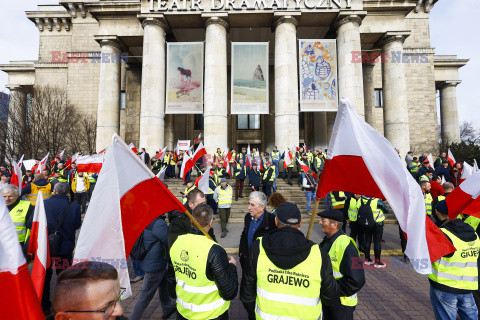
287 275
223 196
346 264
427 176
454 276
423 169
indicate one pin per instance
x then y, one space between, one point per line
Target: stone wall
132 104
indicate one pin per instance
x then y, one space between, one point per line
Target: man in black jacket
254 177
240 173
286 248
187 269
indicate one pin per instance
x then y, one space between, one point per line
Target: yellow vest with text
428 203
46 192
289 294
197 296
336 255
460 271
225 195
338 204
18 215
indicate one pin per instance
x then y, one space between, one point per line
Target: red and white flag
467 171
305 147
287 158
42 164
132 147
91 164
161 174
305 168
161 154
187 165
248 162
429 159
73 159
60 156
451 158
354 152
226 160
16 178
17 296
198 138
200 152
465 198
123 203
202 182
259 163
38 246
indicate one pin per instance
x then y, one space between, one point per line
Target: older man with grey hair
20 211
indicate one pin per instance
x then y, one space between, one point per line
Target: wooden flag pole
312 219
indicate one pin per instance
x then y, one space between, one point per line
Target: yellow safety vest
225 195
239 169
415 167
60 179
18 215
472 221
428 203
353 210
272 176
378 215
172 160
424 178
166 159
275 156
336 255
460 270
310 157
289 294
318 162
233 157
46 192
90 177
197 296
338 204
187 191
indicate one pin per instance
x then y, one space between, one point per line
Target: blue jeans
137 267
447 305
310 197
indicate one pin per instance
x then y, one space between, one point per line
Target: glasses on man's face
108 310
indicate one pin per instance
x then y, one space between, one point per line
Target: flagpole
312 219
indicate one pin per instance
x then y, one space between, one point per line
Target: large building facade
111 58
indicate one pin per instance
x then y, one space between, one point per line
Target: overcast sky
451 27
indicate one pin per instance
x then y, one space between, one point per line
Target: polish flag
38 245
354 152
161 154
42 164
297 148
202 181
29 164
73 159
187 165
16 178
259 163
60 155
200 152
305 147
248 163
198 138
305 168
287 159
132 146
226 161
91 164
450 158
161 174
466 195
17 298
123 203
429 159
467 172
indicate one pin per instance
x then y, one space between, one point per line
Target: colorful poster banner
183 145
249 87
318 75
184 89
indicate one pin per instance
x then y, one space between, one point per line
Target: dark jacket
242 171
286 248
466 233
438 161
267 225
442 171
28 188
423 170
54 208
28 215
254 178
351 266
156 244
180 224
267 175
218 269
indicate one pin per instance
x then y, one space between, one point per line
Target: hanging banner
184 78
183 145
249 87
318 75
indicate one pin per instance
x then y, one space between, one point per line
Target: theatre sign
243 5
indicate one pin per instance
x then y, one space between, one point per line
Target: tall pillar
350 83
369 93
152 103
108 110
286 82
169 131
330 123
449 112
16 119
320 130
395 110
215 98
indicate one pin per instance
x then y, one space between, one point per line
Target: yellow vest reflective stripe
18 215
378 215
46 192
234 154
428 203
473 222
239 169
275 155
318 162
338 204
166 159
292 293
460 270
90 177
353 210
60 179
197 296
424 178
415 167
187 191
225 195
272 176
336 255
310 157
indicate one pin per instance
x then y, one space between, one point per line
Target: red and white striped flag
287 158
38 246
430 160
42 164
354 151
197 139
73 159
123 203
451 158
60 156
202 181
248 162
16 178
465 198
200 152
305 168
91 164
17 296
161 154
226 160
187 165
132 147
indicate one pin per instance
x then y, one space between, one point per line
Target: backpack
138 250
365 215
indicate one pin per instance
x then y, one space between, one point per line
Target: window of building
248 121
123 100
198 122
379 98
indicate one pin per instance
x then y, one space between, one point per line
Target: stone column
152 105
350 83
286 82
369 93
449 111
215 97
330 123
395 110
108 112
169 131
320 130
16 118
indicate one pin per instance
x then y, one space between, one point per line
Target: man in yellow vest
40 184
287 276
205 279
240 173
20 211
223 196
268 179
454 276
275 154
346 264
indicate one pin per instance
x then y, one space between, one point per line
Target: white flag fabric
430 160
287 157
91 164
28 164
42 164
475 165
467 172
204 181
161 174
451 158
17 171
